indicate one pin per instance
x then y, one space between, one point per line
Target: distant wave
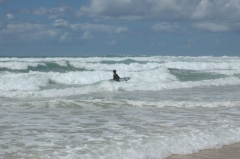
51 77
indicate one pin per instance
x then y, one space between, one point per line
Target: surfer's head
114 71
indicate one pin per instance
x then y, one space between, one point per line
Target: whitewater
66 107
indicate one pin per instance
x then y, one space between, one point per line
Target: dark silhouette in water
115 76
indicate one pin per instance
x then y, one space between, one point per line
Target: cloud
164 10
10 16
138 9
115 9
28 33
52 13
99 28
86 36
165 27
203 9
217 10
40 11
3 1
60 31
213 27
218 26
61 22
66 37
120 30
199 12
20 28
92 27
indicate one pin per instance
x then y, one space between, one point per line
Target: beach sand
226 152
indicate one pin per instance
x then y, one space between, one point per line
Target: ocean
66 107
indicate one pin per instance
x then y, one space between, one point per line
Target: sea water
66 107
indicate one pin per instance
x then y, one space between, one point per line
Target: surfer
115 76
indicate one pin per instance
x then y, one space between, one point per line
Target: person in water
115 76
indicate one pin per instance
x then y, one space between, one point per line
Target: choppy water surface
68 108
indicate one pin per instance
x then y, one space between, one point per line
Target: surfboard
122 79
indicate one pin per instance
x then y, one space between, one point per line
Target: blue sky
119 27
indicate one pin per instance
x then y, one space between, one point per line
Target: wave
203 65
34 80
19 65
107 86
148 133
159 104
121 63
22 81
73 76
184 104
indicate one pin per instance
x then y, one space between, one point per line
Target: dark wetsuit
116 77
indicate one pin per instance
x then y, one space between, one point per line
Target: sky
119 27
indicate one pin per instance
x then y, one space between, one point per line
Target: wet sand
226 152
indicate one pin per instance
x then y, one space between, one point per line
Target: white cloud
10 16
23 27
55 13
224 12
66 37
164 10
40 11
136 9
99 28
86 36
41 36
92 27
203 9
61 22
121 30
28 33
213 27
59 31
58 10
52 13
164 26
164 5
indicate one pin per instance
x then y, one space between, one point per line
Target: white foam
184 104
88 127
106 86
149 76
85 59
90 77
203 65
93 63
119 67
22 82
160 104
143 58
192 65
74 129
78 77
61 62
18 65
215 82
226 72
156 75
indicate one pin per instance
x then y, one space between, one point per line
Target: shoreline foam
226 152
